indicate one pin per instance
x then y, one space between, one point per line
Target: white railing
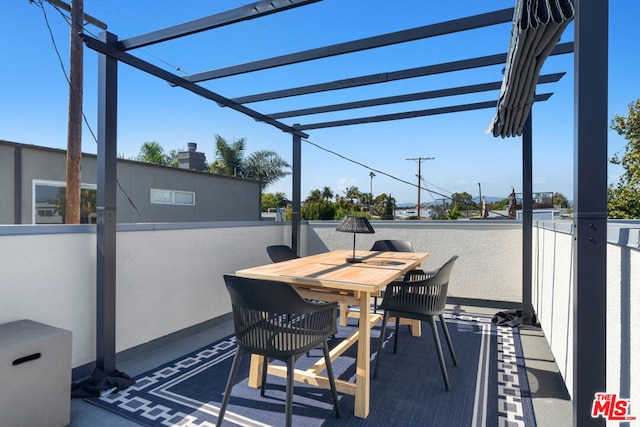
553 301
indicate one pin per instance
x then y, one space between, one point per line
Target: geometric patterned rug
489 385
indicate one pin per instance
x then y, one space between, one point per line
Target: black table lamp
355 224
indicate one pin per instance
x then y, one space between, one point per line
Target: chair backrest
423 294
392 246
271 318
279 253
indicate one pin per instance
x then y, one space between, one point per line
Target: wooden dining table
328 277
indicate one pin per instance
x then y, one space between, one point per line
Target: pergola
590 146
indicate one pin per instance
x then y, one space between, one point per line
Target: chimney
191 159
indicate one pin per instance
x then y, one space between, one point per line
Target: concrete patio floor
551 402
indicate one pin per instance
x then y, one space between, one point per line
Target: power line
373 169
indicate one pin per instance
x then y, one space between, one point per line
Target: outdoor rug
489 385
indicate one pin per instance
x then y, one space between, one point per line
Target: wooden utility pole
74 127
420 160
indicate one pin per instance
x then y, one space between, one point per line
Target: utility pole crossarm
88 18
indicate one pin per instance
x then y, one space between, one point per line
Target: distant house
32 182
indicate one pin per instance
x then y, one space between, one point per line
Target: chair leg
289 400
265 366
448 337
395 338
227 390
380 340
332 380
436 338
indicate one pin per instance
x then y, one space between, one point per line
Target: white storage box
35 375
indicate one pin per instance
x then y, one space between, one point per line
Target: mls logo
607 405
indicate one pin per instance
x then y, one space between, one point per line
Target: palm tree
152 152
314 196
352 193
266 166
229 158
327 194
282 200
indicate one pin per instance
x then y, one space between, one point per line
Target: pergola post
106 209
590 213
297 179
527 220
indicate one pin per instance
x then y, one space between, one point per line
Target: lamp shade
355 224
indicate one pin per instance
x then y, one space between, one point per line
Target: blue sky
34 91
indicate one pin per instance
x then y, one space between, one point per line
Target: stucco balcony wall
169 277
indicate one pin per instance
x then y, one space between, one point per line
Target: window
49 202
173 197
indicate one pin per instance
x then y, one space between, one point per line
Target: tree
319 210
560 200
282 200
272 201
171 158
462 201
352 193
152 152
365 199
624 197
327 194
269 201
266 166
229 158
383 206
314 196
453 213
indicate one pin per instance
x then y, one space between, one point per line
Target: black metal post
297 178
527 219
106 209
590 211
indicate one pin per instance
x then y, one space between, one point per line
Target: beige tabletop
329 277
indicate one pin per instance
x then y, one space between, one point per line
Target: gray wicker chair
272 320
279 253
390 246
421 296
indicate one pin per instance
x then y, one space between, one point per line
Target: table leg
255 371
363 362
344 314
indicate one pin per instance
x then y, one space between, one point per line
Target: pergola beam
114 52
431 94
244 13
412 114
446 67
439 29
